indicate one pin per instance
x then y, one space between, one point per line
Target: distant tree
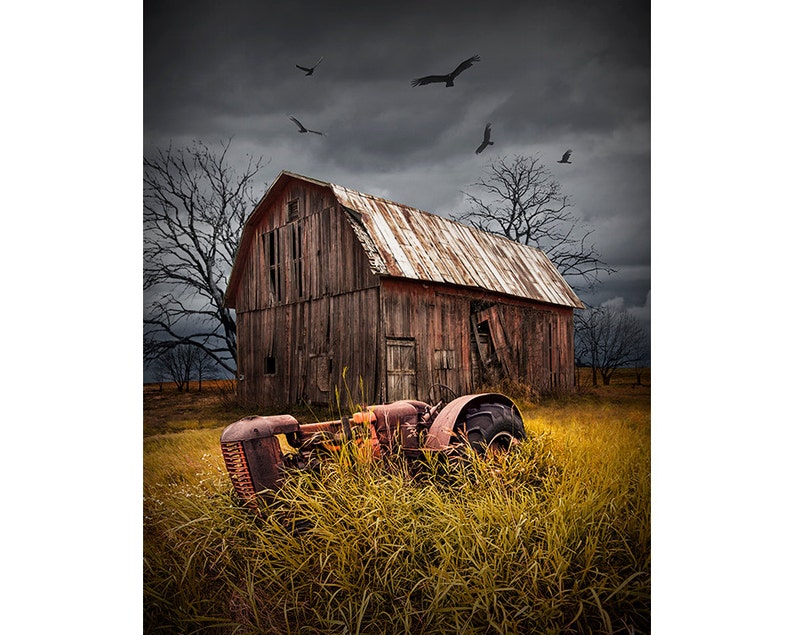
204 366
195 204
610 339
159 373
643 358
178 363
522 201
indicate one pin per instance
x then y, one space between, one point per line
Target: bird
447 79
565 157
309 71
486 139
302 128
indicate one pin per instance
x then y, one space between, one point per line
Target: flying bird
309 71
486 139
302 128
449 79
565 157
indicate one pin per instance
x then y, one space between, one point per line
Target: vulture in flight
302 128
565 157
486 139
309 71
449 79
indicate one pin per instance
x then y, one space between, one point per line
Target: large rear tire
490 427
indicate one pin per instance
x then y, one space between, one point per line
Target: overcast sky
552 76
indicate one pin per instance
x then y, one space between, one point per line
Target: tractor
258 449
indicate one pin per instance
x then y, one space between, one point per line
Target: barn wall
305 351
526 341
307 306
312 318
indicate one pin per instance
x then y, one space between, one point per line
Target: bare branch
195 204
610 339
523 202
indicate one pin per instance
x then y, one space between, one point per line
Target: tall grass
551 538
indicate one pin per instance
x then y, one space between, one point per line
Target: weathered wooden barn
332 287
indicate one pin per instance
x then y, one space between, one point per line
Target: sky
552 75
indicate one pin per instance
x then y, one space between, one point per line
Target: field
552 538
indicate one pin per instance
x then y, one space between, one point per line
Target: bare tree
522 201
611 339
179 362
159 373
195 205
204 366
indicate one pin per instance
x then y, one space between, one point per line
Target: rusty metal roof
405 242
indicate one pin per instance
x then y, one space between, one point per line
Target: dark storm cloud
552 75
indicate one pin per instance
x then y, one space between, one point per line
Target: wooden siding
529 342
318 347
332 260
313 318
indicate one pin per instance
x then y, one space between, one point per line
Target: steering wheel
440 393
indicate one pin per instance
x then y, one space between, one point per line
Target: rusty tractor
258 449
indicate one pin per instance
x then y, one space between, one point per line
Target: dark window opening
273 264
296 245
292 210
270 365
484 334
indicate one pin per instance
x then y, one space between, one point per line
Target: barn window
273 263
270 365
292 210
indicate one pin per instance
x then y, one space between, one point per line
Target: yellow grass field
554 539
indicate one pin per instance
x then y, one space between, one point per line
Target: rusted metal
444 426
253 454
255 459
410 243
239 472
396 424
256 427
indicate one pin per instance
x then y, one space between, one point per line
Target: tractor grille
237 466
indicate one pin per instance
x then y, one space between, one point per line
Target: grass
552 538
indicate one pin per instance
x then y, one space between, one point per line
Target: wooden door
400 369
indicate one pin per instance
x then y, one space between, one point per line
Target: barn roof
405 242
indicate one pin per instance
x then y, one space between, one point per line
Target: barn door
400 369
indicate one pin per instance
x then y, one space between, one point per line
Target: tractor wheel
490 427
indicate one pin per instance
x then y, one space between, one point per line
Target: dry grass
554 539
165 409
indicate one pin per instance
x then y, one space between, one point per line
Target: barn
334 289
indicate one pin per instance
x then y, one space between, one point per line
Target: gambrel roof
404 242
